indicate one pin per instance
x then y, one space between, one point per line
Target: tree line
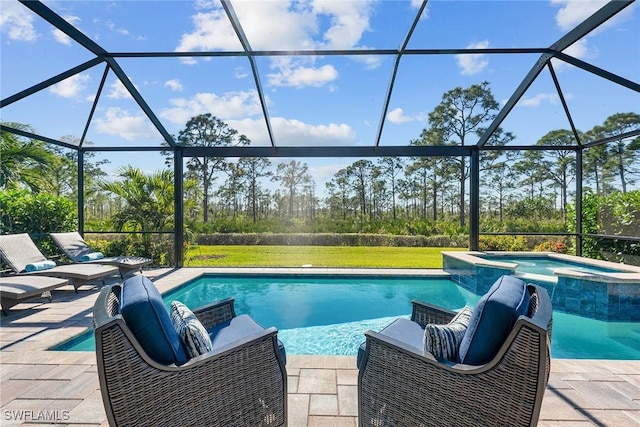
520 190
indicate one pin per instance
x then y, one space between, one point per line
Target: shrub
503 243
331 239
36 214
160 250
553 245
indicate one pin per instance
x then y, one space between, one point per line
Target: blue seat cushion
404 330
146 316
236 329
492 320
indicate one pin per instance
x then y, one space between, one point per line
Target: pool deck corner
322 390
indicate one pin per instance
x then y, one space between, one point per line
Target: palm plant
22 162
148 200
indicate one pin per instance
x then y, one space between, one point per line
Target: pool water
329 315
546 266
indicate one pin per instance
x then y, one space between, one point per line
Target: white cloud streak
397 117
72 86
291 26
174 85
119 122
17 22
471 64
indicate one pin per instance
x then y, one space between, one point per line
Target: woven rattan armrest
237 346
424 313
215 313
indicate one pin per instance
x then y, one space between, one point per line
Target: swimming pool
328 315
587 287
545 265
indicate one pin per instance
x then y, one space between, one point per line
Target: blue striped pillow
194 336
443 341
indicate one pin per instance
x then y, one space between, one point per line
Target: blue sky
311 100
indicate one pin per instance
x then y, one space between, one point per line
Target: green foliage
503 243
24 163
160 250
36 214
617 214
331 239
557 245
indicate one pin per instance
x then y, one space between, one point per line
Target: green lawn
317 256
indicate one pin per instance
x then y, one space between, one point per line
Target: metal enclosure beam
581 30
233 18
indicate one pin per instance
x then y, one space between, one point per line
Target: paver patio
41 387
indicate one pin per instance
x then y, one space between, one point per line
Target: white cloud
293 75
174 85
537 100
231 105
119 122
291 26
573 12
118 91
72 86
240 73
212 32
397 117
17 22
580 49
295 132
471 64
122 31
61 37
543 98
349 21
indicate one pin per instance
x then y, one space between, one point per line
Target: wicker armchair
243 383
401 386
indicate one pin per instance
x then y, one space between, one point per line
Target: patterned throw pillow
193 335
443 341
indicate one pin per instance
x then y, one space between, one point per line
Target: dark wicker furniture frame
399 387
242 384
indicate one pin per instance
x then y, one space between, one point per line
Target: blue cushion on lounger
492 320
235 329
39 266
144 312
403 330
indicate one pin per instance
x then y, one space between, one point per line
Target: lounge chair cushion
39 266
194 336
92 256
236 329
18 250
492 320
443 341
406 331
144 312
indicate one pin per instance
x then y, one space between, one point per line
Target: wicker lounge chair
16 289
19 251
400 384
74 247
147 381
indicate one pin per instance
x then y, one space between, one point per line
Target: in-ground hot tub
591 288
